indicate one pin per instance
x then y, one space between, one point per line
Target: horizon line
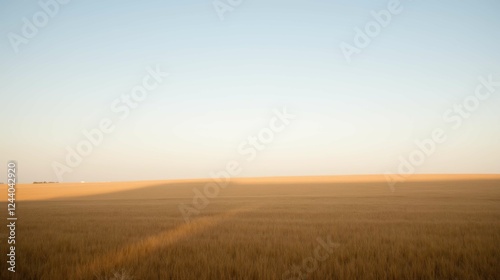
337 176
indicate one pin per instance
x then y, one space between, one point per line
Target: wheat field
351 227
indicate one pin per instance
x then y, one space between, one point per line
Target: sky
234 67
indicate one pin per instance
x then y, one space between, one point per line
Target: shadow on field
342 186
154 191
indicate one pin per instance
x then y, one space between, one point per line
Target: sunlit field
431 227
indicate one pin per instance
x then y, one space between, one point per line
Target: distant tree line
45 182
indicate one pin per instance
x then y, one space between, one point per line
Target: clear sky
227 76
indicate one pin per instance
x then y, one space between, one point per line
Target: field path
140 250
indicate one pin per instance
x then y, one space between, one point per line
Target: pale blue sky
226 77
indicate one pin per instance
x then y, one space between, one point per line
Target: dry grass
432 227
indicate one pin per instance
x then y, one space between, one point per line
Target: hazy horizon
380 177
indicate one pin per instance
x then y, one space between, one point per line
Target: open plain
349 227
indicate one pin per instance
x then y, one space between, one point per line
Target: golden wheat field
352 227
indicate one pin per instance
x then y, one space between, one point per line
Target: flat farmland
350 227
